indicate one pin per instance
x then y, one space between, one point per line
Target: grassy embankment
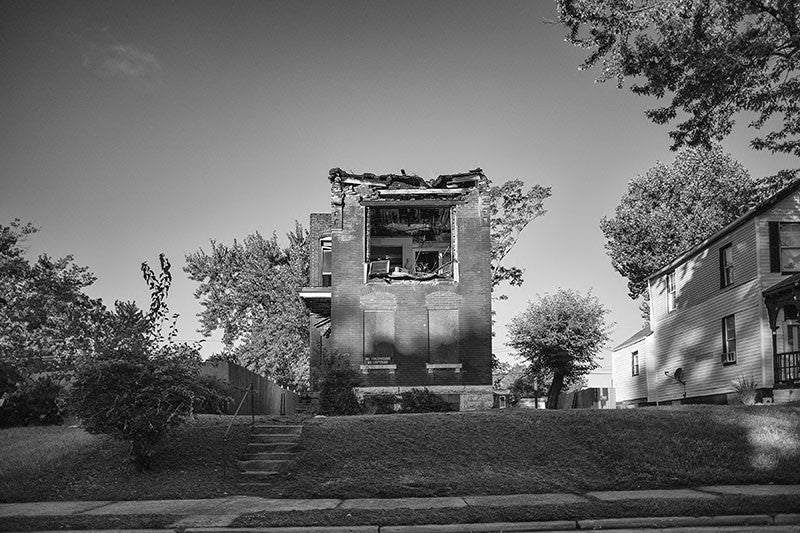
526 451
495 452
66 463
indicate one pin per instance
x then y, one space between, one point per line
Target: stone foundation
471 397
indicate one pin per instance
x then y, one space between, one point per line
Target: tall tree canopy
673 207
46 319
249 290
560 334
714 58
512 209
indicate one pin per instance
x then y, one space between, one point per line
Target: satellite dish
679 374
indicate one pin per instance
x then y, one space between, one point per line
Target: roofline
631 341
752 213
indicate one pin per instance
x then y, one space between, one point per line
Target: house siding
630 388
787 210
690 337
698 278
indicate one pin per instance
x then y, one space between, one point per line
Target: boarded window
443 335
378 337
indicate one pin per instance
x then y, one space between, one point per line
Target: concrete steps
270 450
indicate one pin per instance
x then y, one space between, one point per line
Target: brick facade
433 333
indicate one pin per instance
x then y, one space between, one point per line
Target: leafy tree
512 209
560 335
45 317
137 384
528 385
673 207
714 58
249 290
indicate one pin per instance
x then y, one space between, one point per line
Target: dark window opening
416 241
784 247
729 339
726 265
792 338
325 267
790 246
672 291
635 364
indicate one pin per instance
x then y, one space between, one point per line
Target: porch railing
787 367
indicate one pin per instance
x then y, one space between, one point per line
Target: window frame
410 249
729 339
726 268
781 247
672 291
635 363
325 246
791 337
776 249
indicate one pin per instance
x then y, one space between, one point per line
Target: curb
781 522
665 522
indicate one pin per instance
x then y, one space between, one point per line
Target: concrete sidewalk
221 512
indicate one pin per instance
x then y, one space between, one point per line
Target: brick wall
411 301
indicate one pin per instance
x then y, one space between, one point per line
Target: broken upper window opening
416 241
325 267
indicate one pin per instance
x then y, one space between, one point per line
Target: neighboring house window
325 264
729 339
671 291
784 242
726 265
410 242
792 338
635 363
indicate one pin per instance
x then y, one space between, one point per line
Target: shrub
38 401
379 404
422 401
337 395
132 388
214 396
746 390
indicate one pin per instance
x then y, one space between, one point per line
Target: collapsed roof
464 180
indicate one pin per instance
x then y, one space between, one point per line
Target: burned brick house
401 283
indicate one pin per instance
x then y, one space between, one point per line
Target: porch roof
783 286
784 293
317 299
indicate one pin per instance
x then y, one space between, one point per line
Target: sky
131 128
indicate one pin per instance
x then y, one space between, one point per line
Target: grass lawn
66 463
534 451
491 452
